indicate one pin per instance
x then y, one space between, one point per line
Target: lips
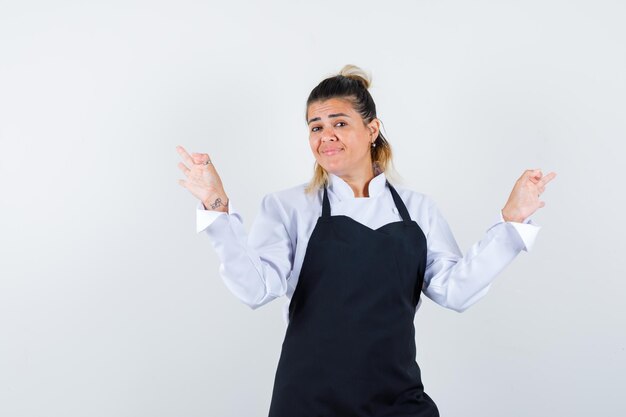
331 151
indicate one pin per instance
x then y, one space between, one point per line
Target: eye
341 123
314 128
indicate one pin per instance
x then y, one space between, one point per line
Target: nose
328 135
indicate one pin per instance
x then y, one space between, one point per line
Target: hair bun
356 73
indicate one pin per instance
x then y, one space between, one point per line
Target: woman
352 254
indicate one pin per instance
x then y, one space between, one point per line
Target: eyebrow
315 119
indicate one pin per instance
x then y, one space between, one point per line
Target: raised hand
524 198
202 180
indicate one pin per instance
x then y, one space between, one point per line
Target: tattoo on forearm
216 204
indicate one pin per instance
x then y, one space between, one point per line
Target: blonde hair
352 84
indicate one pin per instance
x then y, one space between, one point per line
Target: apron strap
325 205
404 213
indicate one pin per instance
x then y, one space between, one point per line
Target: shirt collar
343 191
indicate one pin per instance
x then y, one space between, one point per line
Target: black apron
349 348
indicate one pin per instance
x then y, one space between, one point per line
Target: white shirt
265 263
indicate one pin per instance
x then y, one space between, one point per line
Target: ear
374 128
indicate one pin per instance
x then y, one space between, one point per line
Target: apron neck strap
325 204
404 213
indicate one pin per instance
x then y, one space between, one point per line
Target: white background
111 304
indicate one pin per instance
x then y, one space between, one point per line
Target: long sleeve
254 266
266 263
456 281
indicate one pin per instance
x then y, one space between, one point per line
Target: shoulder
421 206
293 200
414 199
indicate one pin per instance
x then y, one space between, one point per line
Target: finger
189 185
531 172
184 168
200 158
186 157
530 175
211 168
547 178
542 204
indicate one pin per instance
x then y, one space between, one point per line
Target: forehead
333 105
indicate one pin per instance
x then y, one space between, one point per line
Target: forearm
254 266
458 282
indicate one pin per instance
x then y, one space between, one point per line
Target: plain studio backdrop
111 304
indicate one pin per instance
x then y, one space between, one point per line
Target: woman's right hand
202 180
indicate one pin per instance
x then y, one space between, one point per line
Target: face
339 139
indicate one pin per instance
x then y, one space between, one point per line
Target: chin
332 168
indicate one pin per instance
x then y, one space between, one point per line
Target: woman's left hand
524 199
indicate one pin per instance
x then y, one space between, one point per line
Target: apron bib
349 348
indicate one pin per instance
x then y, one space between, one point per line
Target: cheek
314 143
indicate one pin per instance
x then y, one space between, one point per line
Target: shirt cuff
527 230
204 217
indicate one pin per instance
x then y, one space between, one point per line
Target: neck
359 182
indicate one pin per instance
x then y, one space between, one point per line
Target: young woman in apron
349 348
